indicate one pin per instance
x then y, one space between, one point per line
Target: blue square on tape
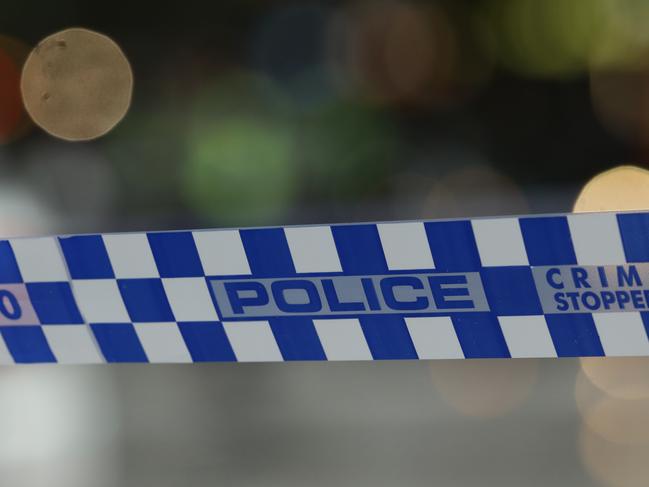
267 251
119 342
645 321
297 338
547 240
86 257
145 300
54 303
634 229
9 272
511 291
387 337
27 344
574 335
359 248
480 335
207 342
453 246
175 254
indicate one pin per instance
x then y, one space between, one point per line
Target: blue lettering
602 276
562 304
573 296
333 294
555 284
387 288
608 298
580 277
238 300
636 298
313 304
9 306
441 293
590 300
622 298
370 294
628 279
335 304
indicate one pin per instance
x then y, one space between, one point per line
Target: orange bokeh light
11 107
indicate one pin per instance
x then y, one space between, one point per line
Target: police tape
533 286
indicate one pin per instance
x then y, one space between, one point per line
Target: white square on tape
405 246
434 337
313 249
5 356
39 259
253 341
596 239
190 299
342 339
622 333
162 342
221 252
527 336
72 344
100 301
499 242
130 255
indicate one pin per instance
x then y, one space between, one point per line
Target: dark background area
350 134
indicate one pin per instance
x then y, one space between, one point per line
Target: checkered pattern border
144 297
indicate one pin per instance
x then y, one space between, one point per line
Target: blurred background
265 113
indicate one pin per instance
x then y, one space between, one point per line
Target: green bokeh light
240 169
348 150
240 165
547 38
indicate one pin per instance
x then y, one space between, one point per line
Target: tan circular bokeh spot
485 388
77 84
622 188
619 189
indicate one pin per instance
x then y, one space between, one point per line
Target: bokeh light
613 464
77 84
619 77
618 189
13 118
290 40
348 151
620 98
290 47
618 419
78 182
240 164
623 38
147 159
10 103
240 167
484 388
622 377
474 189
612 393
402 52
23 212
546 38
382 49
57 445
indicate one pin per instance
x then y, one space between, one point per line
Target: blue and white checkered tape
532 286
